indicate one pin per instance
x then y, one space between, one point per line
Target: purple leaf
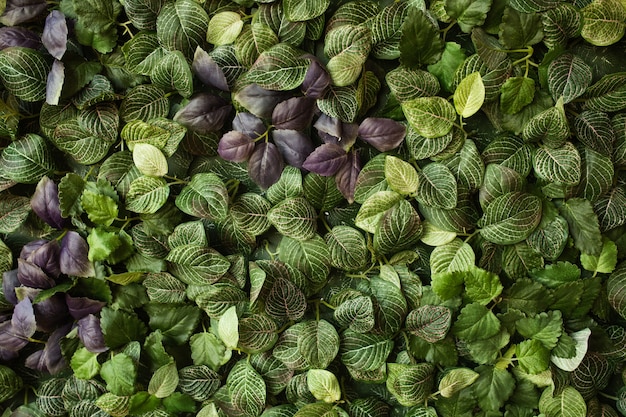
249 124
53 357
19 11
45 203
204 113
36 361
30 275
54 36
332 130
235 146
90 333
46 257
383 134
265 165
9 340
347 175
207 70
18 36
329 125
9 283
259 101
73 257
32 246
315 81
50 313
325 159
23 324
80 307
294 146
7 354
295 113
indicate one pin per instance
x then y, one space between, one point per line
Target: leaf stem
610 397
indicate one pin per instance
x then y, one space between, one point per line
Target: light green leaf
456 380
224 28
373 209
114 404
149 160
198 265
386 27
164 288
603 22
408 84
568 403
297 11
294 217
469 95
410 384
323 385
482 286
568 77
144 102
451 257
516 93
437 187
605 262
345 68
254 40
476 322
510 218
549 126
147 195
205 196
532 356
23 72
172 73
13 212
400 175
312 257
434 236
279 68
364 351
208 350
228 328
182 25
164 381
85 364
431 117
560 24
348 249
356 313
561 165
468 13
119 373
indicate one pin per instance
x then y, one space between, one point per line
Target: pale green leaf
603 22
469 95
431 117
164 381
605 262
323 385
224 28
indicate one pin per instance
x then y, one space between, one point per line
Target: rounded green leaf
198 265
371 212
469 95
24 72
253 40
516 93
549 126
455 380
356 313
323 385
561 165
407 84
568 76
164 381
364 351
434 236
249 213
257 333
431 323
400 228
431 117
312 256
172 73
205 196
294 217
340 102
182 25
319 343
144 102
224 27
569 403
400 175
147 195
228 328
510 218
301 10
603 22
348 249
247 388
437 187
345 68
279 68
26 160
410 384
149 160
10 383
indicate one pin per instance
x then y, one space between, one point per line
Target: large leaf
568 403
182 26
23 72
205 196
26 160
437 187
431 117
510 218
603 22
468 13
561 165
583 225
410 384
348 249
366 352
279 68
319 343
312 256
420 43
568 76
247 388
197 264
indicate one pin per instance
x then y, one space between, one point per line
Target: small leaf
517 93
431 323
164 381
323 385
605 262
469 95
431 117
510 218
224 28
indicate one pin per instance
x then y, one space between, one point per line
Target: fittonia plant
313 208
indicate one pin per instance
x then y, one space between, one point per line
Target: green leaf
568 77
247 388
199 265
312 257
456 380
224 28
101 208
420 43
400 175
561 165
568 403
544 327
408 84
176 323
348 249
437 187
147 195
452 58
451 257
26 160
476 322
297 11
469 95
410 384
249 212
532 356
607 94
340 102
119 373
144 102
285 301
400 228
257 333
172 73
386 27
182 25
14 211
164 381
429 322
373 209
228 328
605 262
365 352
493 387
23 72
205 196
279 68
583 225
468 13
143 402
294 217
516 93
560 24
81 145
323 385
431 117
207 350
510 218
143 13
85 364
549 126
520 30
10 382
254 40
482 286
603 22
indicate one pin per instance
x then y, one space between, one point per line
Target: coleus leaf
383 134
326 159
235 146
265 164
